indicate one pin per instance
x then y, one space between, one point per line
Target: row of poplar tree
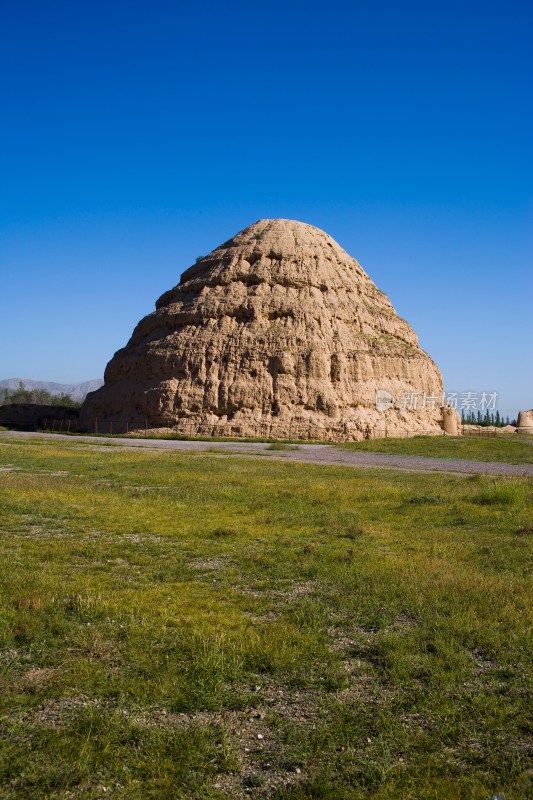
486 419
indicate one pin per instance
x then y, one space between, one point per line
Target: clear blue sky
136 136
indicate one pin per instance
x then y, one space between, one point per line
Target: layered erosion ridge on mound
278 332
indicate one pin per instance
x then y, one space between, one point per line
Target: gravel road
306 453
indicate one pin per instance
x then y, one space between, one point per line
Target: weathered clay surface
451 421
525 421
277 332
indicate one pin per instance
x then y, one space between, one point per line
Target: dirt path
305 453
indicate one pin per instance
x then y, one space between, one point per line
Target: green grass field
197 626
511 449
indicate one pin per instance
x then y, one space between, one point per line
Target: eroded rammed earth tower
278 332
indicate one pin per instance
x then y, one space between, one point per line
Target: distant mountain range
76 390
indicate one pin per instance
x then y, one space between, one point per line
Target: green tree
38 397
